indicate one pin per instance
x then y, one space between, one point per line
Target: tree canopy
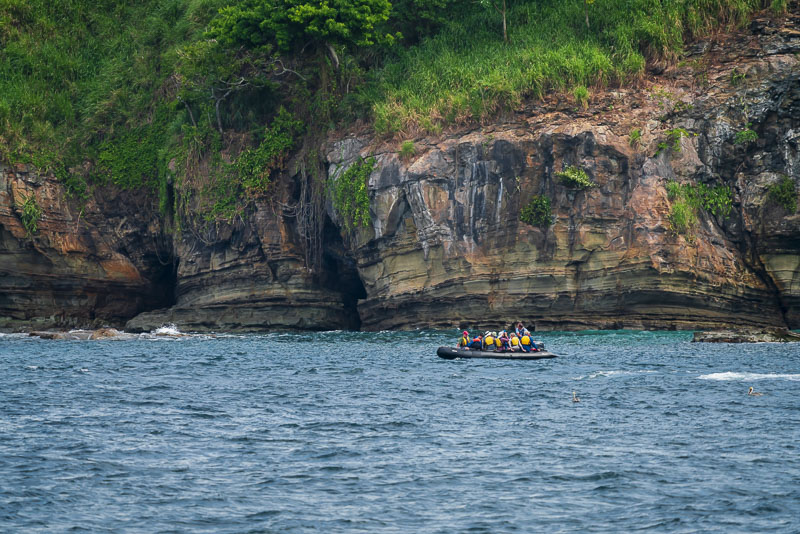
292 24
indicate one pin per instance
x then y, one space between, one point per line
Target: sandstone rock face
446 246
102 265
251 275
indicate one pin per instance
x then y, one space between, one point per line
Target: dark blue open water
360 432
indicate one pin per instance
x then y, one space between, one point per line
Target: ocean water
371 432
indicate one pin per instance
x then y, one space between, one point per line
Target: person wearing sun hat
488 340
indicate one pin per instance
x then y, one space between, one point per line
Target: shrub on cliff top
537 212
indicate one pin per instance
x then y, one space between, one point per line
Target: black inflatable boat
450 353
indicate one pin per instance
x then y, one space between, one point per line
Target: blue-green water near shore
371 432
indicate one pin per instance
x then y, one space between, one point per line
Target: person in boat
513 342
526 342
504 343
476 343
464 342
488 341
520 329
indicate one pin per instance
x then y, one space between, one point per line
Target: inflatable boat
450 353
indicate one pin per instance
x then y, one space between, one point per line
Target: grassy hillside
112 91
467 72
90 81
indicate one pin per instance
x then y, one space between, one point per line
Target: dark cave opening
339 273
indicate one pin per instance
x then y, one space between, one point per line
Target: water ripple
370 432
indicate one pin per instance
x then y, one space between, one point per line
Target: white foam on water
167 330
749 376
15 336
610 374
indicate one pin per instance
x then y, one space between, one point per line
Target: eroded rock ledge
100 263
771 335
447 247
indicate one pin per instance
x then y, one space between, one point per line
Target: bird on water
575 397
753 393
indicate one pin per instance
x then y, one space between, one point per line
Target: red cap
466 333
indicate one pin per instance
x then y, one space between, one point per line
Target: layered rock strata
253 274
447 246
97 263
250 276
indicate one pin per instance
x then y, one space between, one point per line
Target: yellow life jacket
498 342
488 341
526 340
514 341
464 342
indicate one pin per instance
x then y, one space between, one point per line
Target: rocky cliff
446 246
87 264
252 275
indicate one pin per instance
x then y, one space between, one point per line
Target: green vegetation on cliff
466 72
687 199
177 93
350 196
30 214
87 89
575 178
537 212
784 194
